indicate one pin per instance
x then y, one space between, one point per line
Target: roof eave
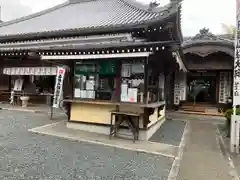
208 42
87 31
34 15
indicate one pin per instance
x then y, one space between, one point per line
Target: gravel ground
169 133
27 156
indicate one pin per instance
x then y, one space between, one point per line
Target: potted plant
24 100
228 115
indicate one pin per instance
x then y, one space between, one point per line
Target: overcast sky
195 15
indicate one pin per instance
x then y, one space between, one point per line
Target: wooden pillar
217 86
118 80
72 78
145 95
158 84
146 79
145 118
168 90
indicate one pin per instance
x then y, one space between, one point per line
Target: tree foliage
229 28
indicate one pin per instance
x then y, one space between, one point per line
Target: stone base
144 135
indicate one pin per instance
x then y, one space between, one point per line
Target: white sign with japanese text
236 80
235 120
58 92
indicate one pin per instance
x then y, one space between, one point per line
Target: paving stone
202 158
169 133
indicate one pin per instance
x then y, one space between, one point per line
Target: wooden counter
91 102
98 102
154 105
98 112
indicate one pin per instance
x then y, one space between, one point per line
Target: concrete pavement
202 157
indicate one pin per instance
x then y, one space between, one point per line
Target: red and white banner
58 92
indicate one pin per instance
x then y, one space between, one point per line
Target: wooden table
132 120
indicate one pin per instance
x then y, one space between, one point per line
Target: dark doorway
202 88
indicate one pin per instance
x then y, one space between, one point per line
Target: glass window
132 81
153 88
95 80
156 82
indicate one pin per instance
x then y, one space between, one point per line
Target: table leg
138 120
132 127
115 126
51 110
111 127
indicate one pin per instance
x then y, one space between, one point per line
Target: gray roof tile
85 14
205 37
86 47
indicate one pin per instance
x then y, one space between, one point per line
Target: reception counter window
132 81
95 80
124 85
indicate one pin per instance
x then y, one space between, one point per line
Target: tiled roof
80 15
79 46
66 42
206 37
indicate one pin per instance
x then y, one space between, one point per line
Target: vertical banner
58 91
236 80
234 137
177 89
223 85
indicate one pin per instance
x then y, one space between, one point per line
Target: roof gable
84 14
205 37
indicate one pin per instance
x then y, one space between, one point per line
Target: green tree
229 29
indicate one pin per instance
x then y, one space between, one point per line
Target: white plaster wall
180 88
183 85
177 90
225 83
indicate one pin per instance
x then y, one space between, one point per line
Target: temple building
110 60
207 86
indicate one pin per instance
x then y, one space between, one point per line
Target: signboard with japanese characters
223 83
17 71
177 90
18 84
39 71
22 69
13 71
58 91
54 71
177 94
8 71
5 71
48 71
31 71
229 86
236 81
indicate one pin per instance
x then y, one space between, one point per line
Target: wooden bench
132 120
